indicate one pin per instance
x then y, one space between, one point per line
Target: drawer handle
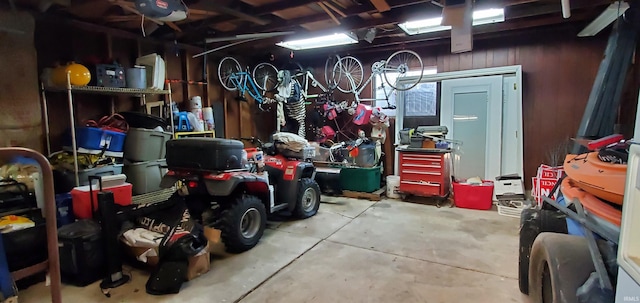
421 172
421 159
421 183
421 155
420 165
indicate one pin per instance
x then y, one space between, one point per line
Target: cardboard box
509 187
216 246
199 264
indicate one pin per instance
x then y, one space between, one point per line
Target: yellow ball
79 75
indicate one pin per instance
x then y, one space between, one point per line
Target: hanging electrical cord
142 26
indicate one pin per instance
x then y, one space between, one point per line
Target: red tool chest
425 172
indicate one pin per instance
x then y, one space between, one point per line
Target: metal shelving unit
112 91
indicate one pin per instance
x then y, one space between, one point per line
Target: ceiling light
480 17
318 42
609 15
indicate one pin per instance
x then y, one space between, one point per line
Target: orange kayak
591 204
601 179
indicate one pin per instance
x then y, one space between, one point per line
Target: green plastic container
361 179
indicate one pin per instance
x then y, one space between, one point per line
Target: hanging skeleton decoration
291 110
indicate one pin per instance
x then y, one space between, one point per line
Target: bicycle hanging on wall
264 78
347 74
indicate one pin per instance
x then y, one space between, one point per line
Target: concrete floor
353 251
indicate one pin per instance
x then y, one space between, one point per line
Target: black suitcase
82 257
212 154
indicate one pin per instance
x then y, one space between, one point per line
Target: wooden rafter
331 15
381 5
335 9
349 12
214 6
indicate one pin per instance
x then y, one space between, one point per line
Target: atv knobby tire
242 223
307 199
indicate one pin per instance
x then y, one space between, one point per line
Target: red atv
227 187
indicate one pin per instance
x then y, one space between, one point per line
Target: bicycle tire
265 76
329 76
404 63
297 72
227 67
350 73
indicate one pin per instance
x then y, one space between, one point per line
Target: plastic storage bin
479 196
145 144
362 179
106 170
81 198
97 138
145 176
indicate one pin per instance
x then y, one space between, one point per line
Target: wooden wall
558 73
20 119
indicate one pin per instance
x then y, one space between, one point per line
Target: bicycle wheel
402 64
266 76
229 66
297 71
350 74
329 75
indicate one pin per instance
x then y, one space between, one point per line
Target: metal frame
52 264
589 226
503 70
71 89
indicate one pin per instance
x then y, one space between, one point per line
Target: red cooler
81 198
473 196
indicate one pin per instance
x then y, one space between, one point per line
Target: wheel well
307 172
243 188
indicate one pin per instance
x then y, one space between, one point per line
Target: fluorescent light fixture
608 16
480 17
318 42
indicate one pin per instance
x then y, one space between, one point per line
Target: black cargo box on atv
211 154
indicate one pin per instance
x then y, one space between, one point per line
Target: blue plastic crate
96 138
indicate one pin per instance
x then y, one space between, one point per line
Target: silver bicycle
347 74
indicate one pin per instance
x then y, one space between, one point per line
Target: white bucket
393 187
207 116
195 103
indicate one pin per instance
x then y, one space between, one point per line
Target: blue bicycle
263 79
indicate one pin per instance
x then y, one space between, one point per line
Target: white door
511 128
471 108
